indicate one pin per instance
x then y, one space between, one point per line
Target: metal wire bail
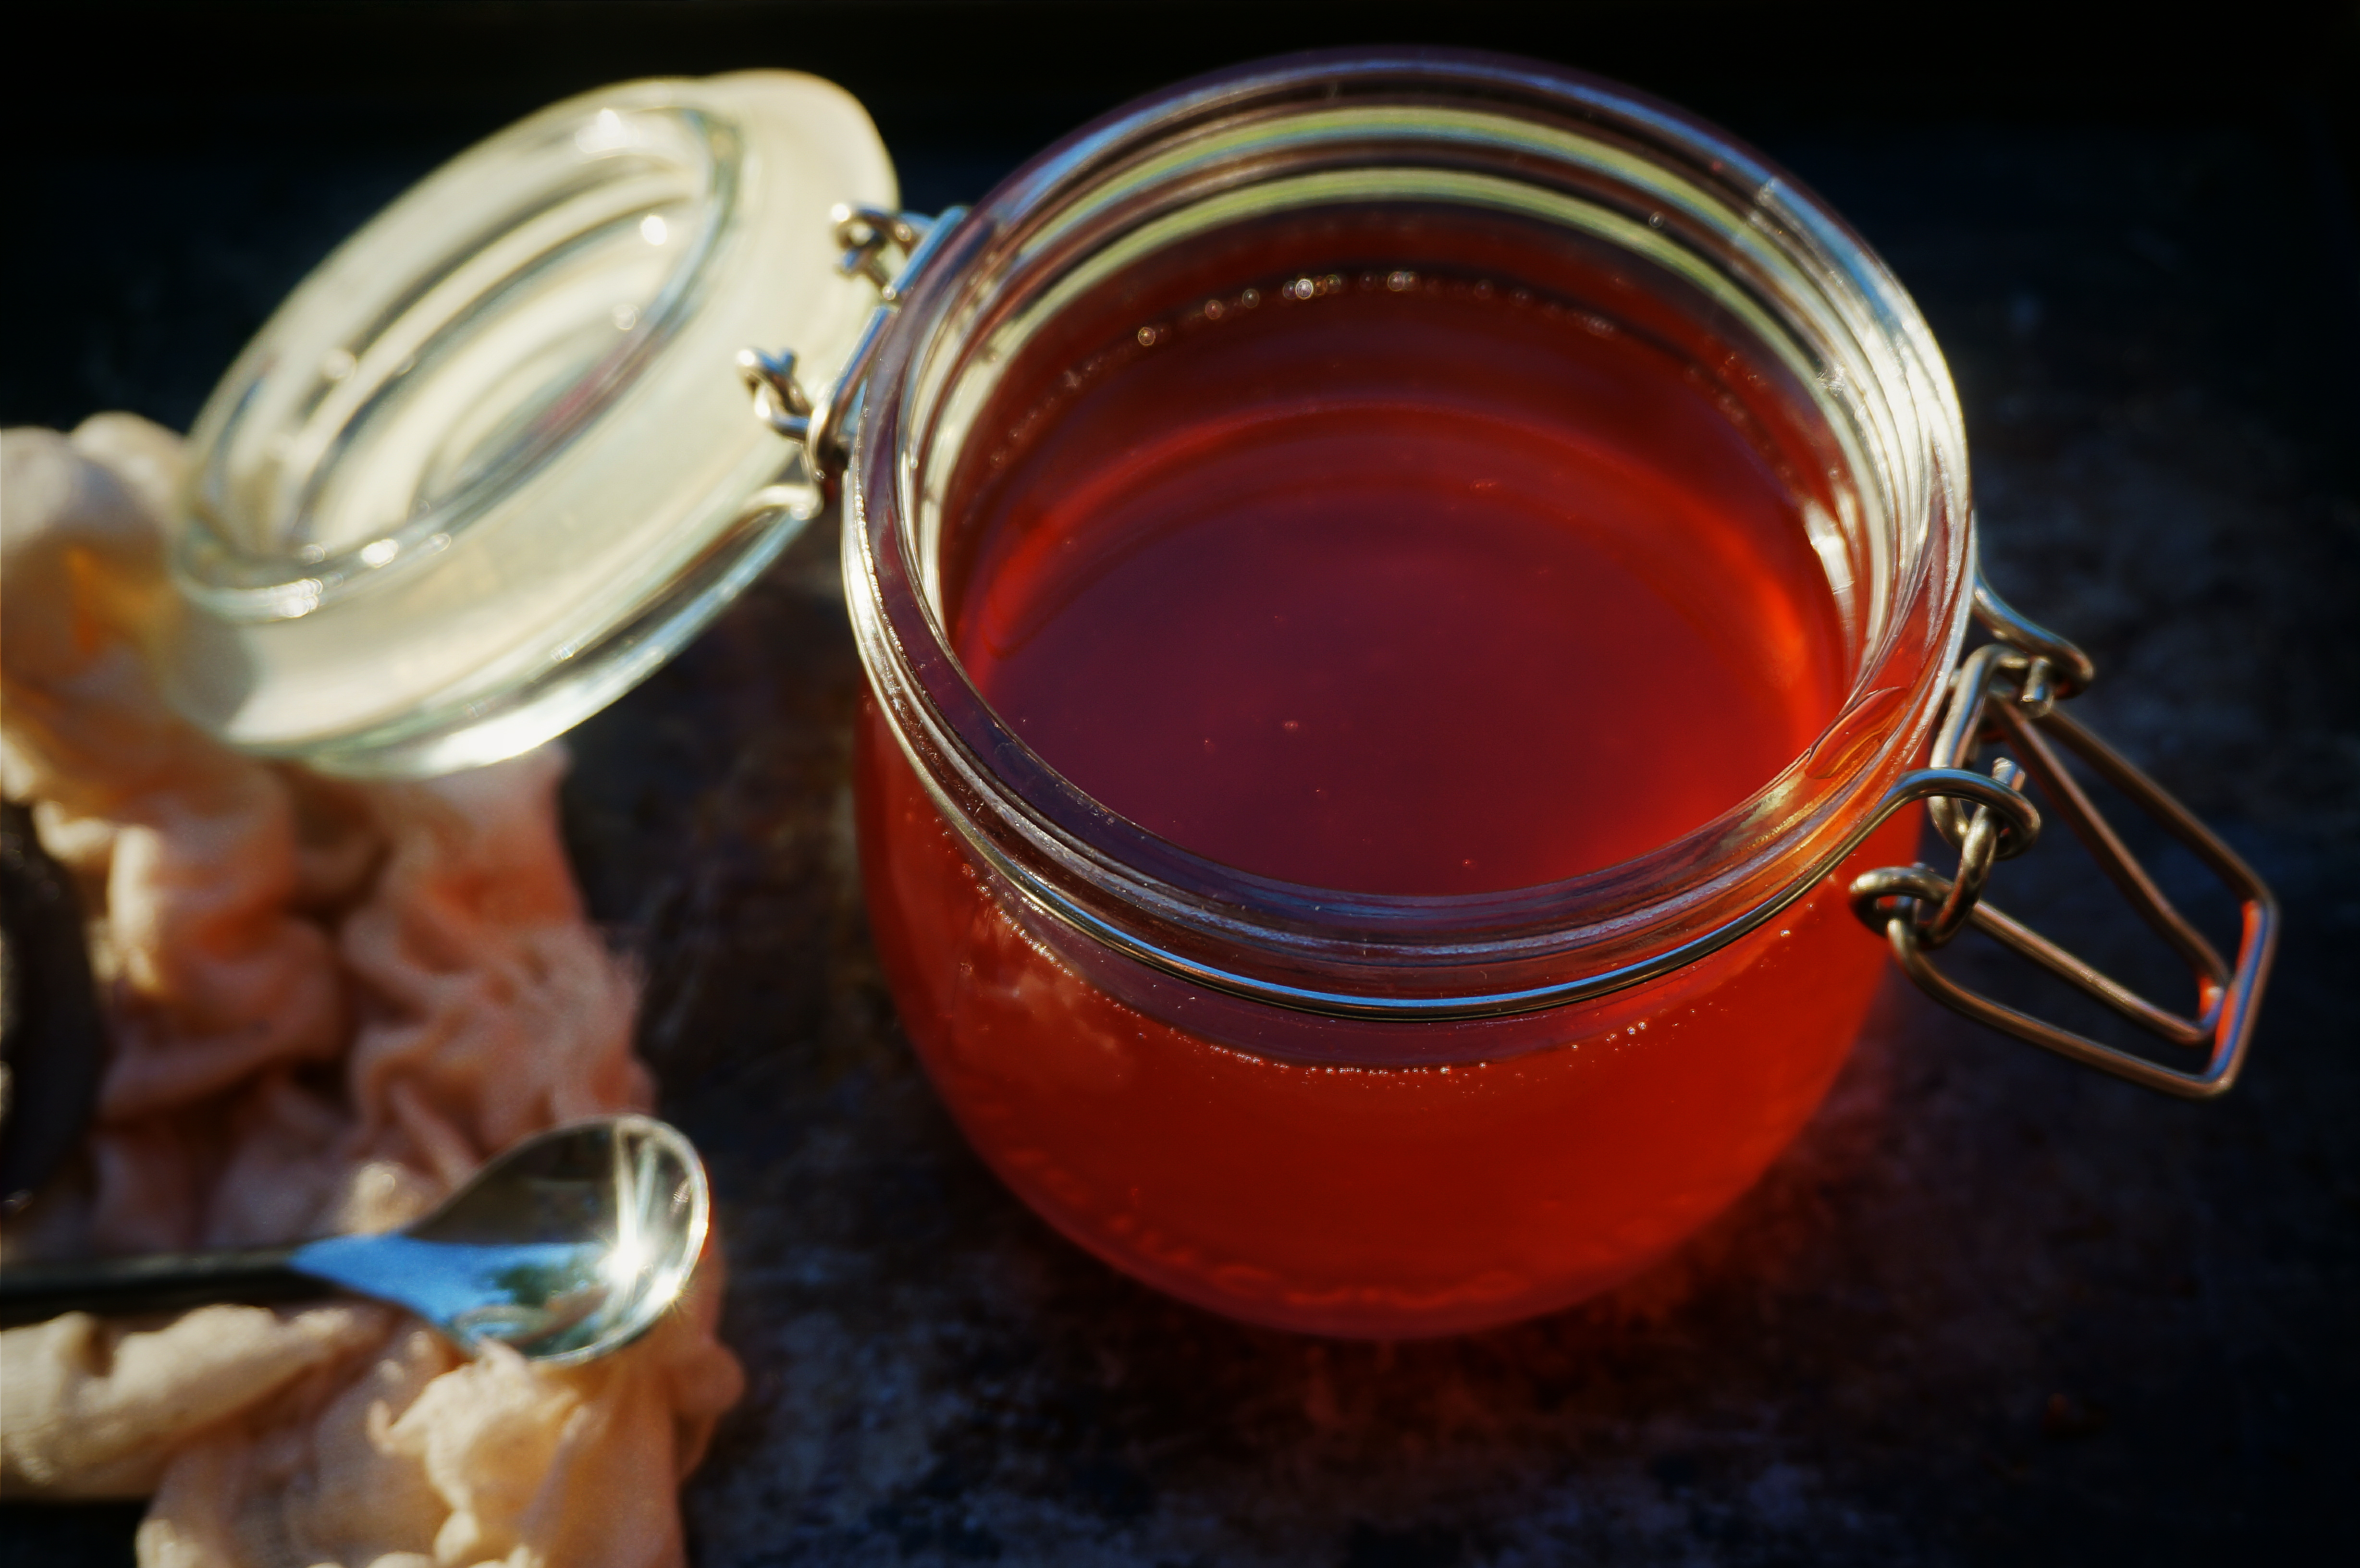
2008 690
817 424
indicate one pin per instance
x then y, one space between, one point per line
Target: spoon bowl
568 1245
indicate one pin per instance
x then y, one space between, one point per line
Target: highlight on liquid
1387 578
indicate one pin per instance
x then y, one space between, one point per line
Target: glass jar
1352 1113
1349 1112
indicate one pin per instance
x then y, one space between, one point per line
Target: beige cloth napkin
327 1004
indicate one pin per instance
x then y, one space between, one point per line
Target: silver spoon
571 1244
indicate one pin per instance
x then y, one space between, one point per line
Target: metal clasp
817 424
2007 691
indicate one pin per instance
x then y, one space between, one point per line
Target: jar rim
1455 955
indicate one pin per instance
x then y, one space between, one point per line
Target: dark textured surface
1989 1308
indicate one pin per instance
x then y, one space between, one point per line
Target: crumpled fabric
328 1003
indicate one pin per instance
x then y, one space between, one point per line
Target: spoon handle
33 1292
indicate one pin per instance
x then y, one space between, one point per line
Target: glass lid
492 462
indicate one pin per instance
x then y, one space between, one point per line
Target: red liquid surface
1411 587
1384 608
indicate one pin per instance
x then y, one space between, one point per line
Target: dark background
1990 1308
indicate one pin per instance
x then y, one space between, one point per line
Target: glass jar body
1373 1113
1370 1201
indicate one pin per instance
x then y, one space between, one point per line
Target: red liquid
1424 593
1419 589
